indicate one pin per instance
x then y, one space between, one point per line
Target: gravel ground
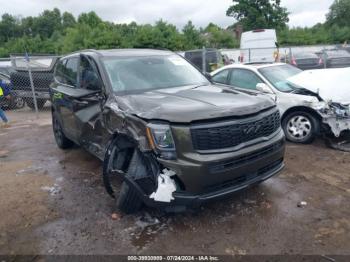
53 202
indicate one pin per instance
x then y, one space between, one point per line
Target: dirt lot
53 202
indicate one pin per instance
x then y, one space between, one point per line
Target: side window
221 77
244 79
59 73
71 71
89 78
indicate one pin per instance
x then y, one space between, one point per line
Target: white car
310 102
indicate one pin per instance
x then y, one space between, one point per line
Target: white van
258 46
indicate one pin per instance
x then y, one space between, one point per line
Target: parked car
15 102
42 74
336 58
304 61
213 58
258 46
345 47
5 66
305 112
157 123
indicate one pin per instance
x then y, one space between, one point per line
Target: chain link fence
28 80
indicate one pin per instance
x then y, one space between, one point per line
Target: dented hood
190 103
330 84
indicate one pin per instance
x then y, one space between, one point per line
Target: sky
178 12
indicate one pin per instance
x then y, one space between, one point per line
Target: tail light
320 62
294 62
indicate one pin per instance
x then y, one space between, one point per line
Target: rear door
63 92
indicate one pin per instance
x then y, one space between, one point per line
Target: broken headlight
161 140
319 105
341 110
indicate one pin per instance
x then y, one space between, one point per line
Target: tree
217 37
339 13
91 19
192 37
255 14
68 20
8 27
47 23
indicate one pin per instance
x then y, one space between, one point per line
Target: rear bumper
311 67
29 94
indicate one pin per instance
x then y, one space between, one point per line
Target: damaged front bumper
337 124
336 116
183 201
212 177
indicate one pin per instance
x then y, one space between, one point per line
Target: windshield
278 75
141 74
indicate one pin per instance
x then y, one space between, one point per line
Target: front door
88 110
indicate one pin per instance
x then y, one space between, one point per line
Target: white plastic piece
166 187
330 84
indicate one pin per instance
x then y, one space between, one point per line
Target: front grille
233 134
245 179
248 158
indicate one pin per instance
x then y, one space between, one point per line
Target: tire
122 160
40 103
17 102
61 140
128 201
300 127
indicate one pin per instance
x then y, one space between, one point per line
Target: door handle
80 102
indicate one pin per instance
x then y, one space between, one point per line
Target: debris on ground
341 143
53 190
147 220
302 204
116 216
3 153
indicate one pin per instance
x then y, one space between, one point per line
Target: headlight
161 140
319 105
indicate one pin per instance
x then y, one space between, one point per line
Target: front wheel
122 159
300 127
17 102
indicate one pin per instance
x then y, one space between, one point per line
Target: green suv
175 139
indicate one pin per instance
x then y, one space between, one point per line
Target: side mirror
262 87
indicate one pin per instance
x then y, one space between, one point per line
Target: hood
330 84
187 104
